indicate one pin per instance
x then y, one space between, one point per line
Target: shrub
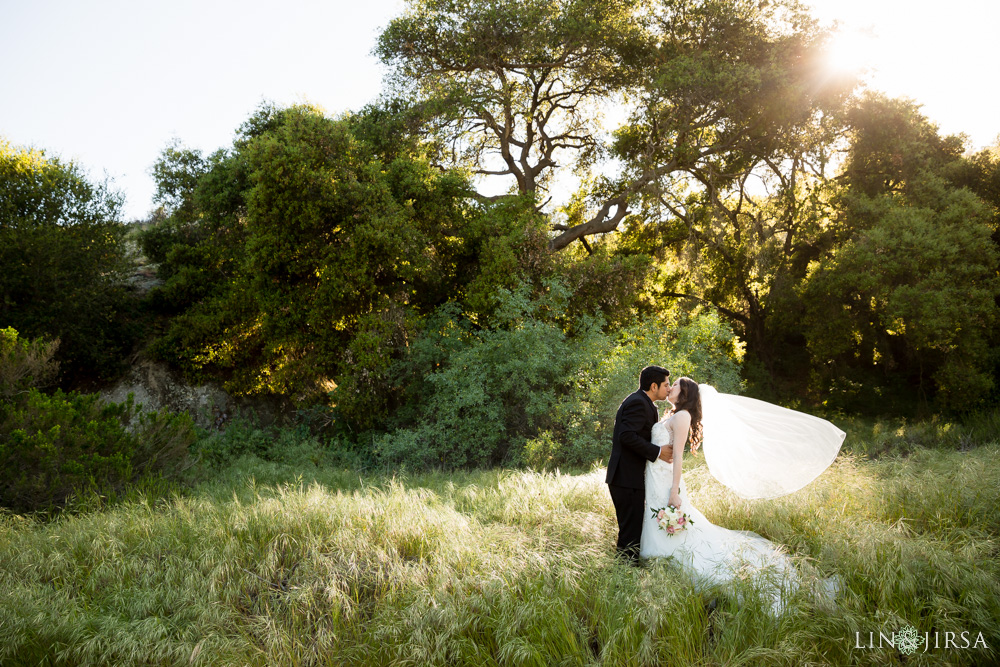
537 389
54 446
493 389
541 451
294 446
244 438
64 262
702 347
24 364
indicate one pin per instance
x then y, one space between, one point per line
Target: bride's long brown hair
690 400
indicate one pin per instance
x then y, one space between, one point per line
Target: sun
852 52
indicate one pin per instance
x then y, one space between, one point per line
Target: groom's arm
633 418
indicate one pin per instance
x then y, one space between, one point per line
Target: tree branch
725 311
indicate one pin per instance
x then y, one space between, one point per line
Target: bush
64 262
493 389
244 438
537 389
702 347
24 364
541 452
52 447
294 446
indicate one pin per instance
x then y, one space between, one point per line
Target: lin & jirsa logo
908 640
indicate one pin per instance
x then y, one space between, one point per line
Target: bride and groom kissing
756 449
632 447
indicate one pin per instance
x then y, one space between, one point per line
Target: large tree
507 87
855 253
514 89
303 259
744 240
63 262
907 296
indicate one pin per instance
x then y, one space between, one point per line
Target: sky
109 84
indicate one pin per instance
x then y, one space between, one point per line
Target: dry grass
263 566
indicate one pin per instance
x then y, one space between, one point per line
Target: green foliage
494 388
55 446
504 246
874 291
894 148
64 262
722 239
64 444
488 77
982 176
708 86
534 386
900 437
295 447
617 283
199 237
303 261
911 294
915 291
543 451
300 212
392 128
177 173
24 364
701 347
743 251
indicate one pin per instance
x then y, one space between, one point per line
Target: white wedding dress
712 554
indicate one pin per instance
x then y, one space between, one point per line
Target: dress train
713 554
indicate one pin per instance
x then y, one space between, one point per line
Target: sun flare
853 51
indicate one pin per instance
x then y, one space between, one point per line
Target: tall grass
268 564
880 437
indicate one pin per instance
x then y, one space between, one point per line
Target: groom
630 449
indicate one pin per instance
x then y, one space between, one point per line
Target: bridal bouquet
671 520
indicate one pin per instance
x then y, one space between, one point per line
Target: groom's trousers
629 506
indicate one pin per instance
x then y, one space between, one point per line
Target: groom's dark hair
651 375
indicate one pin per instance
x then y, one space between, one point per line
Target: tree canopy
708 87
64 262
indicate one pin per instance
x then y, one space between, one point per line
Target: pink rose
670 529
681 521
661 514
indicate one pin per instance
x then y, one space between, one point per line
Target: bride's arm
681 425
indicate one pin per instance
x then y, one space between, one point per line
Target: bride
758 450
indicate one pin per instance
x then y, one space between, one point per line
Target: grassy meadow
297 562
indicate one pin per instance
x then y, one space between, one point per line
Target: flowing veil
761 450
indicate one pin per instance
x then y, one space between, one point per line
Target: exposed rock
144 273
144 278
154 385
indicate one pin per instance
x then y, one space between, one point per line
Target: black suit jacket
630 444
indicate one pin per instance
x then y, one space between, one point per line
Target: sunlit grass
270 564
890 437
